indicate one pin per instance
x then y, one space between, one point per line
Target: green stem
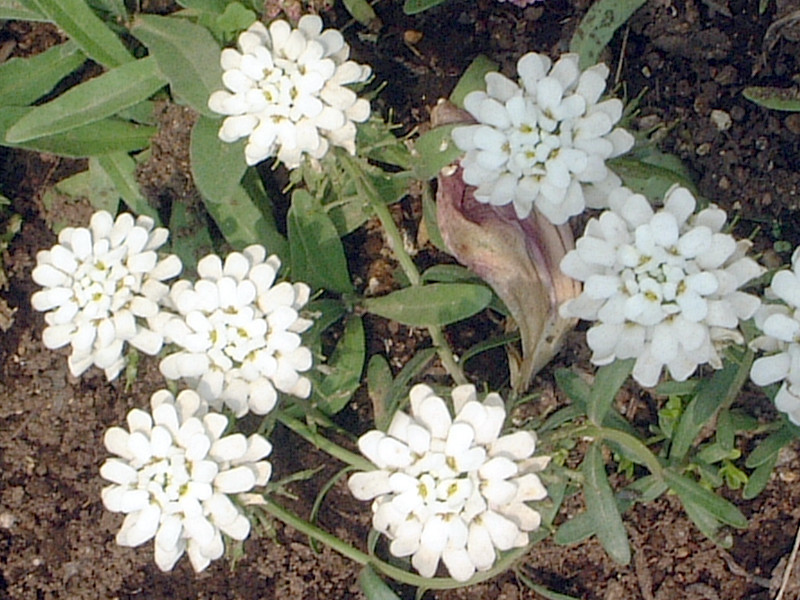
369 193
326 445
362 558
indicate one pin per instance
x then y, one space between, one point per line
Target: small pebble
721 119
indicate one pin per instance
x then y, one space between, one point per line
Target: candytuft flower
663 286
543 141
287 92
781 326
175 475
239 332
451 489
103 286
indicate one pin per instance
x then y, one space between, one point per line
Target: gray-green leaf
434 304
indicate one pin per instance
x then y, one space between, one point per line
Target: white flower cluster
103 288
287 92
451 489
544 141
663 286
781 326
175 476
238 331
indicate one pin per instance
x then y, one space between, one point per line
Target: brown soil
693 58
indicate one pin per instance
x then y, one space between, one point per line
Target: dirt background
690 59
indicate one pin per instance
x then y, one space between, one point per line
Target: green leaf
449 274
20 11
692 493
769 447
434 304
607 382
212 6
188 56
544 592
325 312
398 393
360 10
578 528
92 184
435 150
317 253
189 235
597 28
93 36
217 168
379 383
108 135
652 179
759 478
235 18
602 507
711 394
412 7
346 363
431 221
25 80
121 170
90 101
574 387
373 586
111 9
489 344
785 99
473 79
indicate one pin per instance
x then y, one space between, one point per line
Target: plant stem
326 445
362 558
395 238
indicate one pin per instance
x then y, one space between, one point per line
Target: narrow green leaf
434 304
188 56
188 235
706 523
774 98
473 79
317 253
607 382
574 387
544 592
326 312
413 7
449 274
431 221
90 101
25 80
649 171
598 26
360 10
93 36
398 393
580 527
346 363
121 170
602 507
435 150
217 168
759 478
379 383
114 9
711 394
21 11
270 237
108 135
561 416
489 344
691 492
769 447
93 185
212 6
373 586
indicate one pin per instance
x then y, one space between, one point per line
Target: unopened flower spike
451 489
175 476
542 141
662 286
780 323
238 330
103 289
286 92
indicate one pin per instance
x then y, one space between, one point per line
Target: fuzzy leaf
693 494
188 56
373 586
25 80
434 304
121 169
24 10
87 30
346 363
597 28
90 101
317 253
379 383
607 382
785 99
602 507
